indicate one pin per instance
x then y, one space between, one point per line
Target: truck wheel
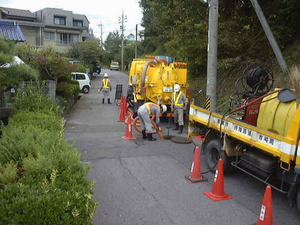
213 152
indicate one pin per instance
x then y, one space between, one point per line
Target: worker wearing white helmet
144 113
178 105
106 87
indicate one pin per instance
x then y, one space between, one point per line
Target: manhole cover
181 140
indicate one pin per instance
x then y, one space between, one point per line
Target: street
141 182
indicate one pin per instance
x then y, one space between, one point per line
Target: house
53 27
131 37
27 21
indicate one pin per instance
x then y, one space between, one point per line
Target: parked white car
84 81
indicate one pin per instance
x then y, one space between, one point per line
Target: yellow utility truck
152 80
260 138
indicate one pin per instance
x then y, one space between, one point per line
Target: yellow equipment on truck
262 139
152 80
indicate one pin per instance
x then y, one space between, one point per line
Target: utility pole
101 25
122 36
101 34
136 43
270 35
212 56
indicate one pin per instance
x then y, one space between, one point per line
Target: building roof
11 31
17 12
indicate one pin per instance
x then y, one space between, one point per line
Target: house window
59 20
49 36
67 39
77 23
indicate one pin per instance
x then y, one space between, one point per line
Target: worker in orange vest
144 113
178 105
106 87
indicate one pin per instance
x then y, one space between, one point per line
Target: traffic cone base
191 180
217 193
195 175
128 138
217 197
199 138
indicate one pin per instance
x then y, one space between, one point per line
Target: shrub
33 99
42 180
40 120
68 90
8 174
17 142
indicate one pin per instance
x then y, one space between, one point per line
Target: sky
106 12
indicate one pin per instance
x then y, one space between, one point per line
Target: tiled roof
18 12
11 31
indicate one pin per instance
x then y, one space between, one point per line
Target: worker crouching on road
144 113
178 105
106 87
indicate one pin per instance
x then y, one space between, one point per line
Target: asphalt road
142 183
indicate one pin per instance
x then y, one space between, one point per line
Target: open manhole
167 137
181 140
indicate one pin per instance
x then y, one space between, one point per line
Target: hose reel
256 81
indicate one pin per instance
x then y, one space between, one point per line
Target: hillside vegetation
179 28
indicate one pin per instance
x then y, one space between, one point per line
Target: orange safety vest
148 105
105 83
177 99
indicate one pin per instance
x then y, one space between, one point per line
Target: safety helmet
164 108
106 75
176 87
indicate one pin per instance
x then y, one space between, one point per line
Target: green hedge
68 89
42 179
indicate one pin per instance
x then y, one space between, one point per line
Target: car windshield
115 63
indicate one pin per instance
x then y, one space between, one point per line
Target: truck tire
213 152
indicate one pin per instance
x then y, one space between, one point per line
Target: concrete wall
32 35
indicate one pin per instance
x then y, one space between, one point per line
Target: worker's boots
144 134
176 126
102 100
150 138
180 129
108 101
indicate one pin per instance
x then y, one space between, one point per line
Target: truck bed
281 147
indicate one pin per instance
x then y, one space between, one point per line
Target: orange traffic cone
217 193
266 210
125 107
121 101
122 114
128 135
195 175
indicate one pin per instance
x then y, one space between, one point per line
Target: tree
53 67
89 52
113 47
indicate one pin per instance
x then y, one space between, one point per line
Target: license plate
168 89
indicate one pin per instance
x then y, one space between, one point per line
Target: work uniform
106 88
179 100
144 113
